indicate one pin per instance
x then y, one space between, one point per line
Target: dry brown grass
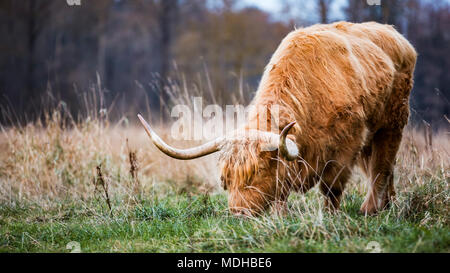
51 162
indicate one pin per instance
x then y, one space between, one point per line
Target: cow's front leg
332 186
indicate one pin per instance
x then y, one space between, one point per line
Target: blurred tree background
132 50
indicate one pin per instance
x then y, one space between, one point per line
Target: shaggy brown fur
347 87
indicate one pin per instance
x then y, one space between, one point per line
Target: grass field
174 222
104 186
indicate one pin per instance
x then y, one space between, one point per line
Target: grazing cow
342 91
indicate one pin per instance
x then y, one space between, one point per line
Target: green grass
177 222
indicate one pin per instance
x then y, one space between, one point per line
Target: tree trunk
166 18
32 36
324 6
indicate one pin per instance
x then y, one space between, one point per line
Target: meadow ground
104 186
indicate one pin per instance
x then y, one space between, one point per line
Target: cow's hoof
368 209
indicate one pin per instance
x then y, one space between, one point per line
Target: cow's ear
291 137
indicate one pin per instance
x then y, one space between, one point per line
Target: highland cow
343 94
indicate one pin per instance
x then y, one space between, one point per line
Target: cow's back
327 68
401 52
334 79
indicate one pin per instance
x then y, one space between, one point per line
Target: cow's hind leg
384 147
381 150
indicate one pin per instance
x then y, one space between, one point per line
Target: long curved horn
288 149
184 154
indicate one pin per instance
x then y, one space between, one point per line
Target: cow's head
249 162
